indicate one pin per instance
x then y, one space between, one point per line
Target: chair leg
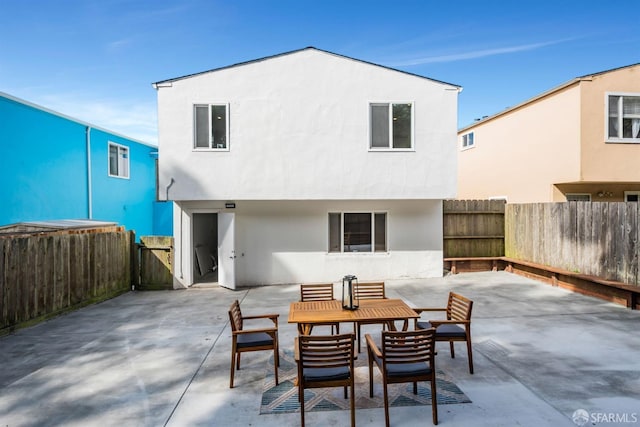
470 356
415 387
276 362
301 399
358 337
434 399
353 404
386 403
453 353
370 359
233 365
238 361
345 392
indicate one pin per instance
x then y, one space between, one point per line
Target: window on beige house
467 140
578 197
623 112
631 196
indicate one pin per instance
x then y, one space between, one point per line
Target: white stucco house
305 167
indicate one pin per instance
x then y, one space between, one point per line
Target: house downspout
89 189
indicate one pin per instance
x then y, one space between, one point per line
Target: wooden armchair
325 361
368 290
318 292
456 327
405 357
251 339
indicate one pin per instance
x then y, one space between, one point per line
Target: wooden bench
609 290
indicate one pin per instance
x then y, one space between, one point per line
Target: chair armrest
272 317
371 344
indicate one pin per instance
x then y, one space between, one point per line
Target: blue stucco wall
43 173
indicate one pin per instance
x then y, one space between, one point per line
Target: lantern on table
350 299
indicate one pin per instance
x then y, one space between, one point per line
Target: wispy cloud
474 54
129 117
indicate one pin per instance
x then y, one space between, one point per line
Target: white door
226 250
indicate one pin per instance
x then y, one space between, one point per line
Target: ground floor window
357 232
631 196
578 197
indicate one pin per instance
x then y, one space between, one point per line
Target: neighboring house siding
521 154
44 170
553 146
603 161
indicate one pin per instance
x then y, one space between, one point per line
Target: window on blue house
118 160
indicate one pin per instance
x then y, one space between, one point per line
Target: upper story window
623 113
391 126
467 140
211 124
358 232
118 160
632 196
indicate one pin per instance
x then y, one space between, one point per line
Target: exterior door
226 250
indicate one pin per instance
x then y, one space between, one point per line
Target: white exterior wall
299 129
299 149
281 242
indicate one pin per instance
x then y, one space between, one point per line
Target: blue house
55 167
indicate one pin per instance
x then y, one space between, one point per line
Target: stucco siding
279 242
299 129
521 154
602 161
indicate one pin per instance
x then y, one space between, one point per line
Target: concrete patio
162 359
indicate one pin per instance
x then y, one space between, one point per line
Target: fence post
135 261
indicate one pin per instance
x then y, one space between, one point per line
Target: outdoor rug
284 397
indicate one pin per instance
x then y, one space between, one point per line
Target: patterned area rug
284 397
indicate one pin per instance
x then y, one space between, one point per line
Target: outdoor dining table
388 310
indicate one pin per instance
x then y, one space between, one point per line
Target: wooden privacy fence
594 238
473 228
156 263
45 274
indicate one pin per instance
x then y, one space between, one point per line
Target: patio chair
370 290
456 327
318 292
406 357
244 340
325 361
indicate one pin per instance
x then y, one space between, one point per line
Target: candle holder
350 300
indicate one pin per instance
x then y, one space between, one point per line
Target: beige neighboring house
578 141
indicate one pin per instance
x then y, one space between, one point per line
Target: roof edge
160 83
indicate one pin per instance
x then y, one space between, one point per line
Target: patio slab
162 358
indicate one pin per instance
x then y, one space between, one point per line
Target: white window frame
588 195
621 116
465 144
124 160
209 126
631 193
390 105
373 232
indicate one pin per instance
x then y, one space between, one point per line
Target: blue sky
96 59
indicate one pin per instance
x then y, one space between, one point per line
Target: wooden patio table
388 310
